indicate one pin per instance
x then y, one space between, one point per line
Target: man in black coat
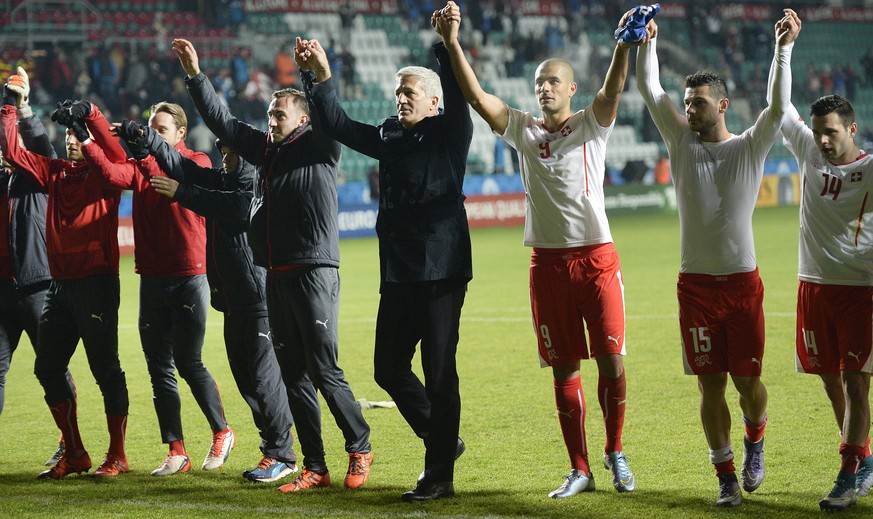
293 233
424 244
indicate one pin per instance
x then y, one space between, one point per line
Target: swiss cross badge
565 131
855 177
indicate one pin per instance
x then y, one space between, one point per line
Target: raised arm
36 166
493 110
168 159
779 84
670 122
250 141
605 103
229 205
101 132
324 103
119 175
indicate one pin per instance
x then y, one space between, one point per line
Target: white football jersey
836 212
563 175
716 183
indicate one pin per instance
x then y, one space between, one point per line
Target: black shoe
460 448
427 491
458 451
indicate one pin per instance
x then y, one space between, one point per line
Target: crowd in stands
126 77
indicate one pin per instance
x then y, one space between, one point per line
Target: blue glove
634 30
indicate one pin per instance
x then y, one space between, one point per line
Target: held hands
787 28
446 22
164 185
310 55
187 54
135 136
651 27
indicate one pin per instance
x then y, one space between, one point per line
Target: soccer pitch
515 454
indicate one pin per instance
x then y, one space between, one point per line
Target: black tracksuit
236 286
293 233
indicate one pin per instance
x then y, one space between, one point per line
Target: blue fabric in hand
634 30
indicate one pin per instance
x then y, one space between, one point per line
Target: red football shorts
834 329
569 286
721 321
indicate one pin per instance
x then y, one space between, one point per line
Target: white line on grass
284 511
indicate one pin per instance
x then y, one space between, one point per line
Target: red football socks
571 413
612 393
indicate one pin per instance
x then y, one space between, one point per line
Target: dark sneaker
306 480
270 469
752 474
864 479
842 496
729 493
622 478
574 483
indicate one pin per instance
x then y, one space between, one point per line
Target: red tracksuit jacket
169 240
82 212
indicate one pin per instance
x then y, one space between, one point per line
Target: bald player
575 275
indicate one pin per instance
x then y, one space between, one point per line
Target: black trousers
303 305
430 313
85 308
256 373
20 310
172 326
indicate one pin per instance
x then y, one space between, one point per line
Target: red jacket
169 240
82 212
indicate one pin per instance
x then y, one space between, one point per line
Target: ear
723 105
182 132
853 129
573 88
302 120
435 103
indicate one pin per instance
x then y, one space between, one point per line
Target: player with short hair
575 275
83 298
293 233
835 293
170 258
224 196
717 176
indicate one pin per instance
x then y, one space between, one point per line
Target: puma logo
756 361
613 339
99 317
191 308
264 335
857 356
568 414
323 323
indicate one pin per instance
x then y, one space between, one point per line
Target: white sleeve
766 128
664 114
796 135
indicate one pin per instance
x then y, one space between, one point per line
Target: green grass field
515 454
